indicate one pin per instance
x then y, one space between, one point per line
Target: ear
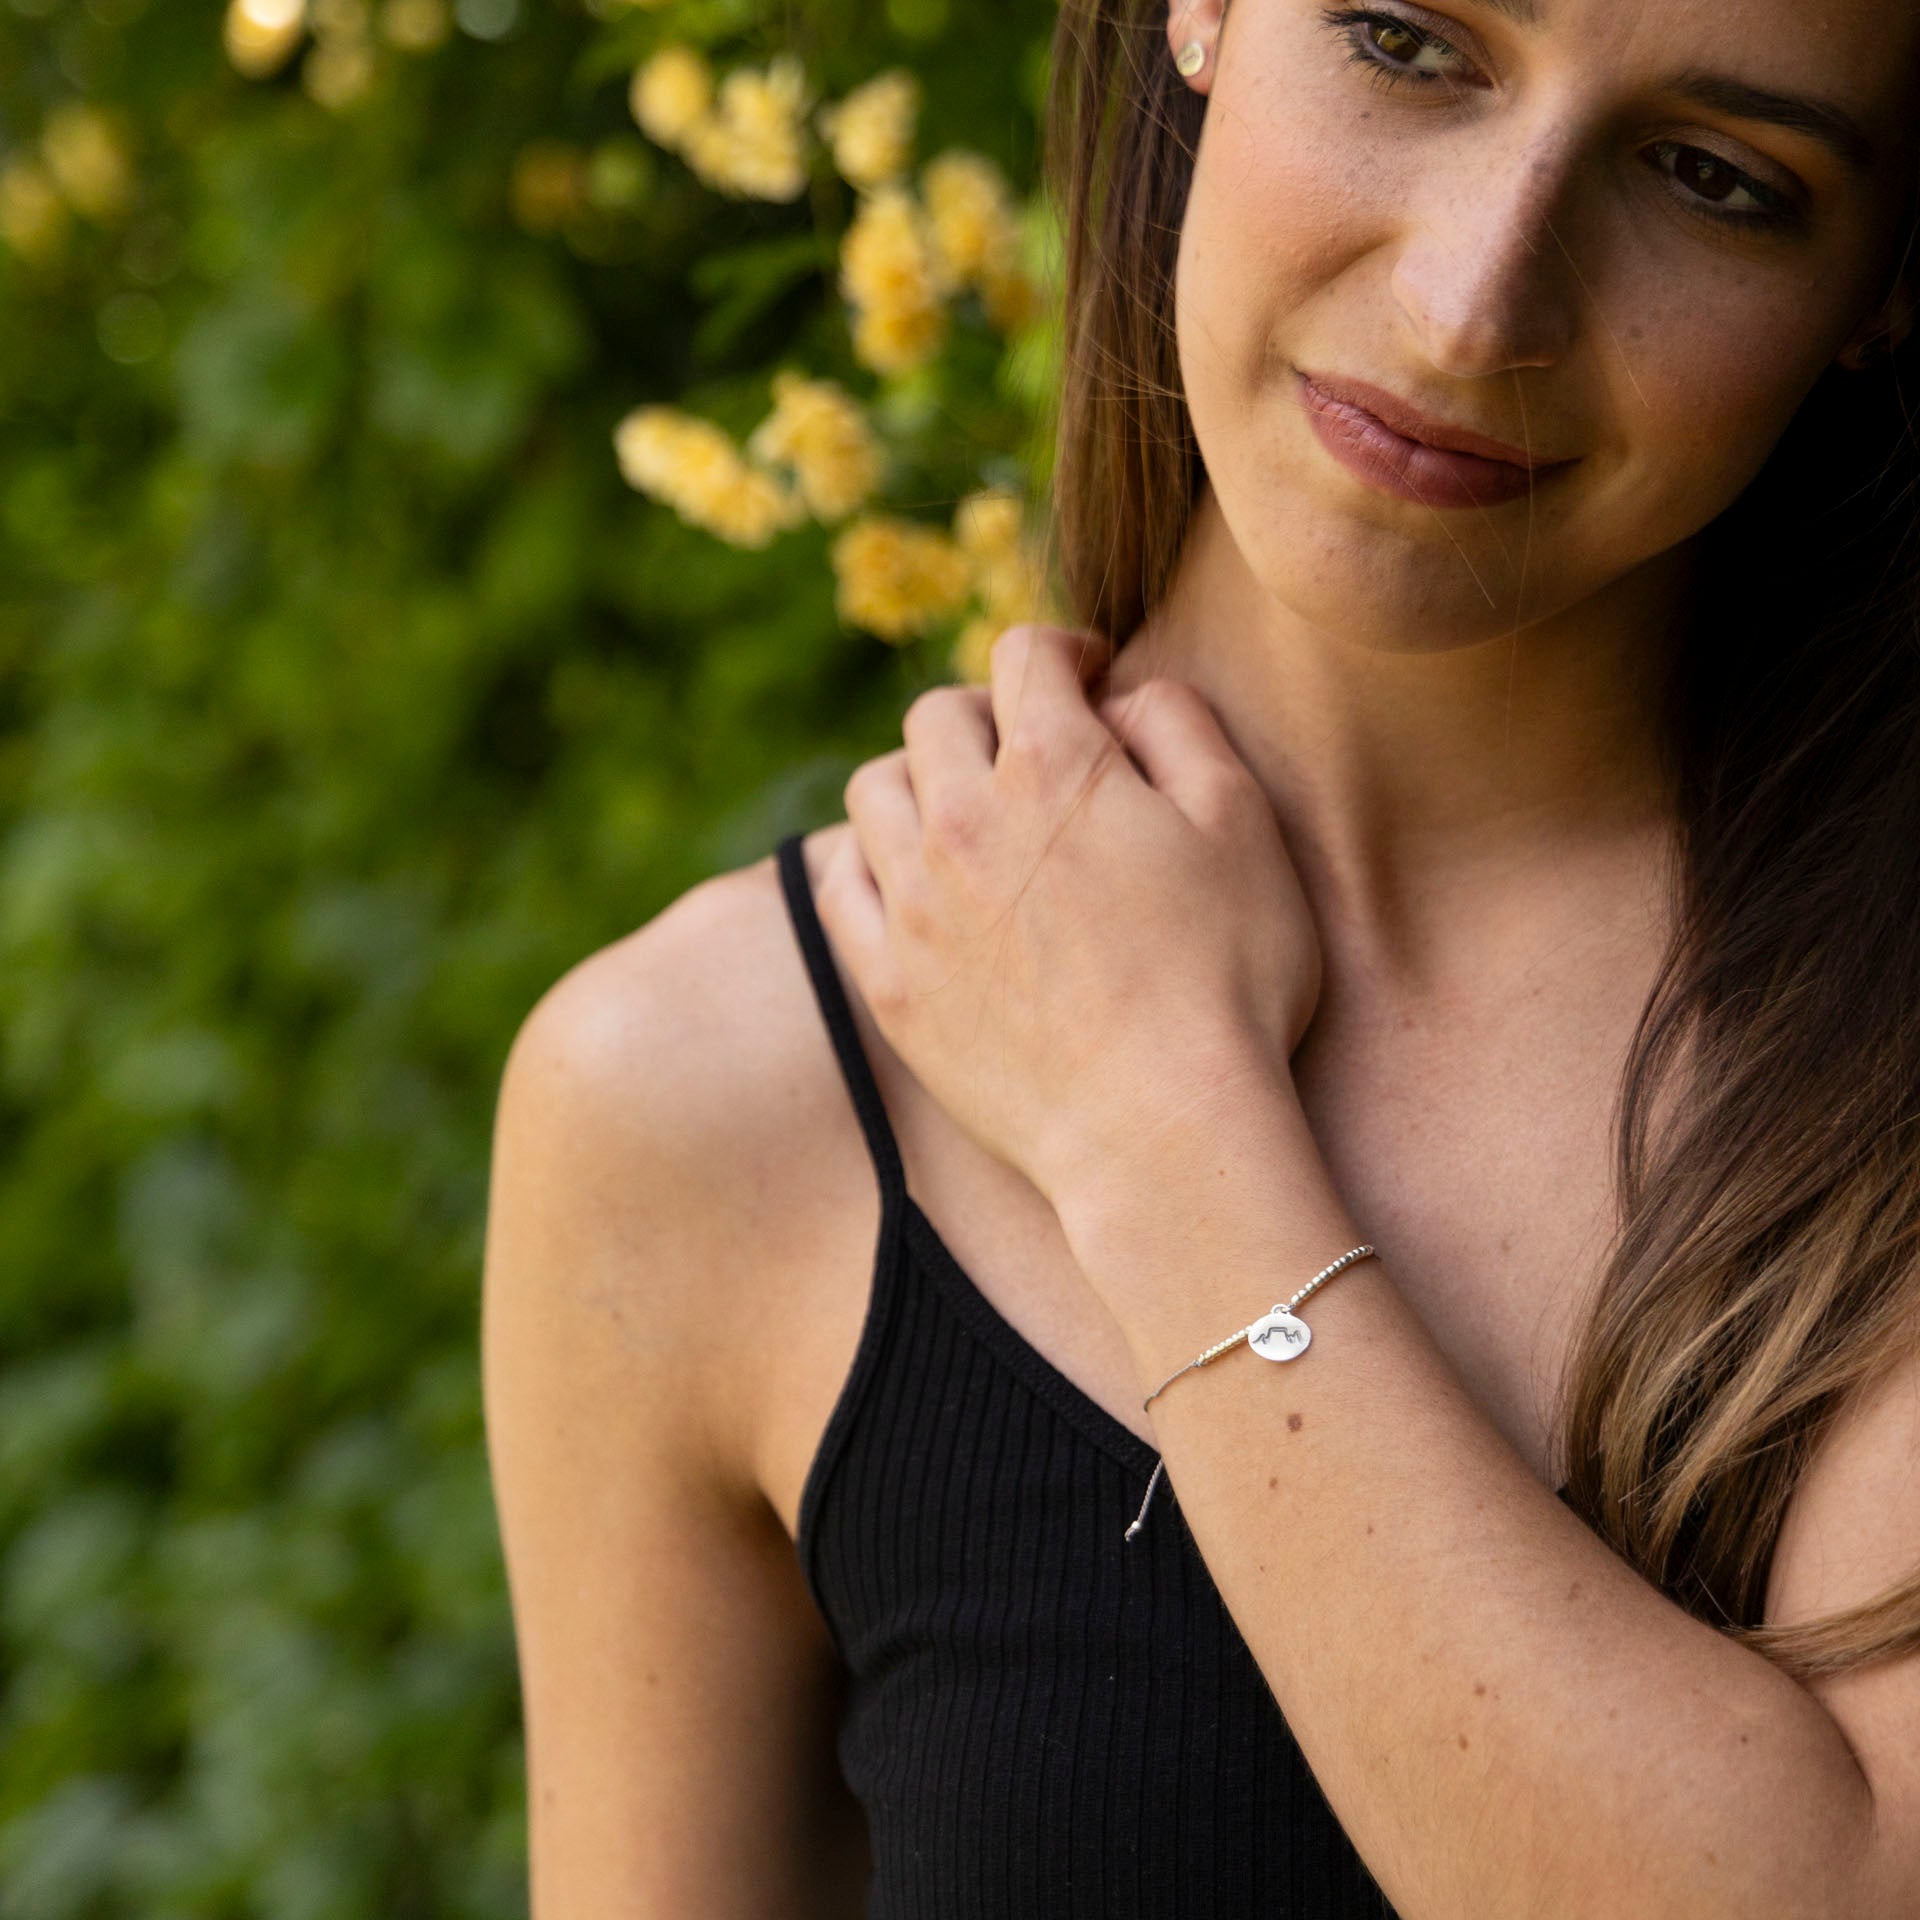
1196 24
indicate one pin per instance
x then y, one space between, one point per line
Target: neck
1419 789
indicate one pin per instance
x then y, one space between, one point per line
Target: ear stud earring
1190 59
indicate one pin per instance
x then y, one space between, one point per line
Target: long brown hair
1766 1265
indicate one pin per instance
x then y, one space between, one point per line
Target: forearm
1506 1718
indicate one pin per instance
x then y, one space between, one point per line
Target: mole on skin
1293 1423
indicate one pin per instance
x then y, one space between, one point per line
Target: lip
1392 446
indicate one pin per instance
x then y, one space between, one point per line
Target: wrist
1186 1247
1225 1113
1149 1110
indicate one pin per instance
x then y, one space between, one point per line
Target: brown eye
1718 189
1396 50
1711 178
1396 43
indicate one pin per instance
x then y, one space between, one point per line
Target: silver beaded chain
1250 1331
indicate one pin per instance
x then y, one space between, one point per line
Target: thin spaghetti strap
855 1068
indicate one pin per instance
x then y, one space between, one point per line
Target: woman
1485 870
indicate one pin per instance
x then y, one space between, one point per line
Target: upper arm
678 1687
1851 1531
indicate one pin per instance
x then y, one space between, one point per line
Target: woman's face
1627 235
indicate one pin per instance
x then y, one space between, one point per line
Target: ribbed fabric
1042 1721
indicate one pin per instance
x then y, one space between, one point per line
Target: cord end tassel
1140 1519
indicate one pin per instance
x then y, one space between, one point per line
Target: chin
1386 590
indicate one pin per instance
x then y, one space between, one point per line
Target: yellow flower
771 100
748 508
896 579
754 142
970 211
871 130
650 443
33 217
87 157
897 340
671 95
975 224
817 429
694 467
1008 577
260 35
896 282
988 524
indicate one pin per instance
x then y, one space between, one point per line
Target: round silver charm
1279 1336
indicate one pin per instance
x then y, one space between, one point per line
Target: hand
1080 954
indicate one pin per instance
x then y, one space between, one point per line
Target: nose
1484 275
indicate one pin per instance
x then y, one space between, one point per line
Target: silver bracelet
1276 1335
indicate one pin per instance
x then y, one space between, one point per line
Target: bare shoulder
673 1105
668 1108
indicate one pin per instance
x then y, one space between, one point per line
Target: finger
1177 740
851 910
951 743
880 805
1040 677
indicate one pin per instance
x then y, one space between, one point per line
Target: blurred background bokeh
469 469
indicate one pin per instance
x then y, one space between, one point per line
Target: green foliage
347 697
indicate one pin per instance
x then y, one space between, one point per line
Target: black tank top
1042 1721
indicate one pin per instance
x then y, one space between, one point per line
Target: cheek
1702 387
1283 202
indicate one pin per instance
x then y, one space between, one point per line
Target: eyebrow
1834 127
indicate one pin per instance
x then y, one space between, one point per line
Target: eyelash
1351 24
